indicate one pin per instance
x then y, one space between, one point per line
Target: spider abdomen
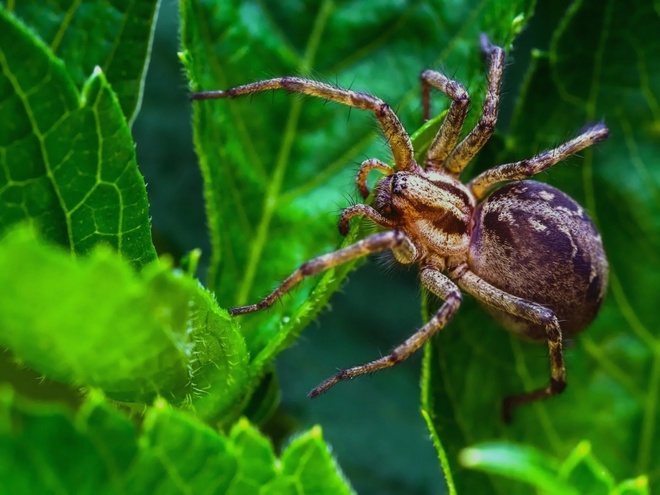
533 241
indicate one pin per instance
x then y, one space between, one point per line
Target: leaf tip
316 432
470 457
517 24
160 404
583 448
95 395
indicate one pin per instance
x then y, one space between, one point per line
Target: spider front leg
382 241
532 166
473 142
396 136
447 137
441 286
494 297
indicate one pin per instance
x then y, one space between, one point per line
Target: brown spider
527 252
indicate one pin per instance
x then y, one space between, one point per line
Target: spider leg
363 211
397 138
532 166
440 285
366 167
473 142
392 239
447 137
492 296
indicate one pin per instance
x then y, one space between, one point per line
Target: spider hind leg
440 285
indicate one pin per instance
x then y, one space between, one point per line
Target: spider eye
399 183
383 196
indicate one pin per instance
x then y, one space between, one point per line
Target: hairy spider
527 252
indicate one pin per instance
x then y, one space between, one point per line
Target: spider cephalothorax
527 252
434 211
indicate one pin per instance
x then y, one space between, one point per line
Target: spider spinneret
527 252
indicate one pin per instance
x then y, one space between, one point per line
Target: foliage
171 453
113 317
581 473
108 314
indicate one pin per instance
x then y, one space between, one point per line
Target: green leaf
581 473
307 461
45 450
637 486
67 158
171 453
601 66
133 335
115 36
520 463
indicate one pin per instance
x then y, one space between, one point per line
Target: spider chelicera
527 252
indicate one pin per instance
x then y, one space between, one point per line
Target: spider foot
241 310
507 409
556 386
487 48
210 95
595 132
327 384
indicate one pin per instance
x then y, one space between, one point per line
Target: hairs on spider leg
509 60
388 264
351 198
350 86
340 208
455 71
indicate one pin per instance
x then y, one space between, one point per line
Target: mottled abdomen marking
535 242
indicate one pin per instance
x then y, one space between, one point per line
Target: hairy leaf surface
135 336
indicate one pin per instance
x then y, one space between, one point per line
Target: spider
527 252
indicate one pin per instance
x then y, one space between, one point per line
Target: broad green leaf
278 168
172 452
95 322
115 36
67 158
601 65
